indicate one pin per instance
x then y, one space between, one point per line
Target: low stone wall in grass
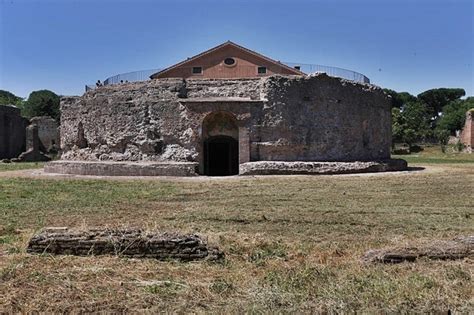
133 243
458 248
109 168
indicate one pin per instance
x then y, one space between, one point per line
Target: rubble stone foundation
321 168
122 168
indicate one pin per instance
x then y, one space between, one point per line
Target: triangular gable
190 61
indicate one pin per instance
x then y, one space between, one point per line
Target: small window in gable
197 70
229 61
262 70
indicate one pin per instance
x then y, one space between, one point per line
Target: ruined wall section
141 121
119 122
288 118
47 132
467 133
322 118
12 132
242 88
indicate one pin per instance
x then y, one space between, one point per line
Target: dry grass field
292 243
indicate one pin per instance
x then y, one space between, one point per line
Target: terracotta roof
228 43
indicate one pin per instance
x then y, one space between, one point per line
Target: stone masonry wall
133 243
322 118
467 134
284 117
48 132
12 132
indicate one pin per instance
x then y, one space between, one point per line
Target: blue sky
403 45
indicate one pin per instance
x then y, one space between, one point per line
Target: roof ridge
228 42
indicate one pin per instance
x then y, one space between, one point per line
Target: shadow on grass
415 168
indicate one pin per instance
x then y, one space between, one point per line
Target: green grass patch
266 251
165 288
20 166
434 155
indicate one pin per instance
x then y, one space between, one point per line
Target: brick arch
220 144
220 123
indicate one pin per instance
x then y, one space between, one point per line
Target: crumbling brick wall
322 118
48 133
134 243
284 118
467 134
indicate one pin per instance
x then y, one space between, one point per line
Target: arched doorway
221 156
220 135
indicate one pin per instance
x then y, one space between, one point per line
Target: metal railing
331 71
144 75
134 76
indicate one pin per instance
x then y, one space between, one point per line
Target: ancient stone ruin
458 248
12 132
187 127
48 133
467 134
32 152
26 140
122 242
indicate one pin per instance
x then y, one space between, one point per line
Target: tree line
38 103
431 116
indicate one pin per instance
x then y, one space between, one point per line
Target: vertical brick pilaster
244 145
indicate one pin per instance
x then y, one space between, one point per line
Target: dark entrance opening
221 156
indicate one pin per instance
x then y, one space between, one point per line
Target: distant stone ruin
467 134
27 141
12 132
32 152
48 133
